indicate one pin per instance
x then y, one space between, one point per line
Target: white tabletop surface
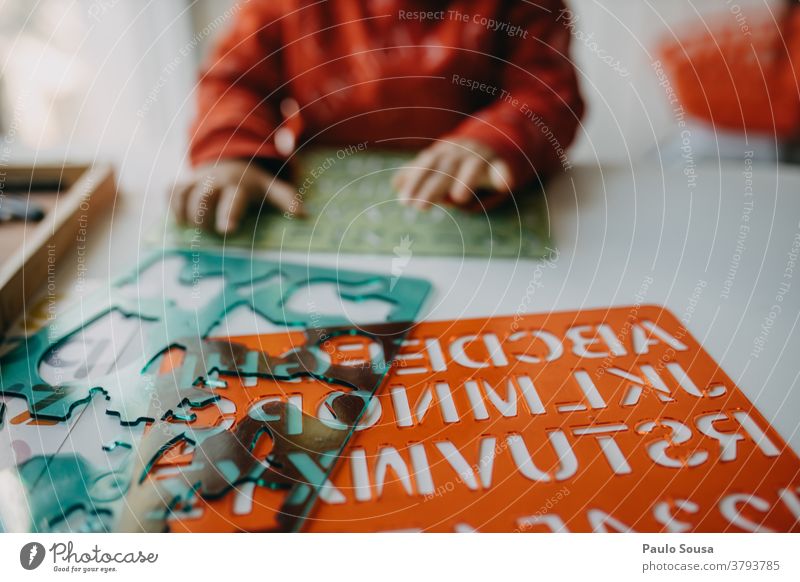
615 229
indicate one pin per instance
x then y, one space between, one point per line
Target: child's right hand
218 195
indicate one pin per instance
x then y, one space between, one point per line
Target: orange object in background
605 420
742 77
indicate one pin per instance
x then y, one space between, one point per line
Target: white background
390 557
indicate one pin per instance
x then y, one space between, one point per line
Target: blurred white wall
108 80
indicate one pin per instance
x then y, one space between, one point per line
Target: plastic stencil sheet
78 394
191 293
607 420
257 434
352 207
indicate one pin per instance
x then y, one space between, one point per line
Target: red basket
738 79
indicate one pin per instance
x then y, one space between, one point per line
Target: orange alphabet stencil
604 420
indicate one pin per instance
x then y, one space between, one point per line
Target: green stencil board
79 484
132 394
352 208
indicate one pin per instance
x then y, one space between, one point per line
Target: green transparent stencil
134 394
304 448
68 491
76 478
60 486
81 488
352 208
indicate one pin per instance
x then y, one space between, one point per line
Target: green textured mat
352 208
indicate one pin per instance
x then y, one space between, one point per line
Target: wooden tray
69 195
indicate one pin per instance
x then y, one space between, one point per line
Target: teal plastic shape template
264 286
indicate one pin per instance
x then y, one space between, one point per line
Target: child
484 88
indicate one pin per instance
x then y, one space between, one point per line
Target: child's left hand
454 168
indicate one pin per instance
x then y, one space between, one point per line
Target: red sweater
378 71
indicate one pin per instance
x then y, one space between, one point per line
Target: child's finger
284 197
415 178
467 178
500 175
232 203
399 178
202 204
416 173
439 182
178 200
424 159
435 187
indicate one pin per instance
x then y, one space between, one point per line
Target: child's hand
218 195
454 168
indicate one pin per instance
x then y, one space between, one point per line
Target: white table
614 230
